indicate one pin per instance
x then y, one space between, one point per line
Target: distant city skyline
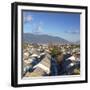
64 25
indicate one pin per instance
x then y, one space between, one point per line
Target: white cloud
72 31
37 28
28 18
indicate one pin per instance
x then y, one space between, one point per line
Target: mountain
77 42
42 39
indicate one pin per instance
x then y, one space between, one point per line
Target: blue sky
64 25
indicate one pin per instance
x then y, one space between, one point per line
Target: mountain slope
33 38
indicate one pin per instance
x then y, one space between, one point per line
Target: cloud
73 31
28 18
37 28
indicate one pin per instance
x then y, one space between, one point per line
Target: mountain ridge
39 38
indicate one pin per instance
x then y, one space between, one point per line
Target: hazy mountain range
42 39
77 42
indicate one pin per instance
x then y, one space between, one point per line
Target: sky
61 24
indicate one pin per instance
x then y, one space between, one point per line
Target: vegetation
76 72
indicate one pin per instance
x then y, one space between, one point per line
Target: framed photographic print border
14 42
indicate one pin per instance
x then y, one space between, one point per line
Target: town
50 59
